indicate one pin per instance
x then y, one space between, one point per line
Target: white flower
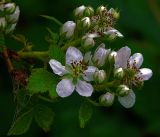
79 11
100 55
86 22
68 28
113 33
133 63
13 18
78 73
134 75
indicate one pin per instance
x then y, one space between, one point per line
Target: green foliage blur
140 24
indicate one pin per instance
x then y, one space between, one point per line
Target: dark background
140 24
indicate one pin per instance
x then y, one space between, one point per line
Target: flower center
102 21
133 75
78 67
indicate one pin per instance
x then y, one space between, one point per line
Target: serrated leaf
85 113
56 53
22 124
42 81
44 117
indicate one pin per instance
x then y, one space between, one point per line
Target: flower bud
68 29
101 9
107 99
119 73
115 14
100 55
123 90
2 23
89 11
86 22
111 57
9 8
78 12
87 42
100 76
13 18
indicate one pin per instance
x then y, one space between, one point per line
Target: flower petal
65 88
100 55
136 59
84 89
146 73
122 57
127 101
57 67
114 32
73 54
88 74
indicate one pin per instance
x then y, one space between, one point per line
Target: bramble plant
77 61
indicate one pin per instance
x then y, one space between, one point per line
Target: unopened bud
107 99
100 76
2 23
68 29
89 11
101 9
78 12
113 33
87 42
86 22
114 12
123 90
119 73
13 18
111 57
9 8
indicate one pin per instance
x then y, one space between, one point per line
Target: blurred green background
140 24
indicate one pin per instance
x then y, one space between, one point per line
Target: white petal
93 35
65 88
128 101
57 67
88 74
146 73
84 89
122 57
114 32
100 55
137 58
79 10
73 54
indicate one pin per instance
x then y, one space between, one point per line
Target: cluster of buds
88 69
92 24
9 15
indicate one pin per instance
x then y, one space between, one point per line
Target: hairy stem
34 54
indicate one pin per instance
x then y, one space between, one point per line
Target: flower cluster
9 15
100 71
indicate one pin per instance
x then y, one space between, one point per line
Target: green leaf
56 53
44 117
85 113
42 81
21 124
